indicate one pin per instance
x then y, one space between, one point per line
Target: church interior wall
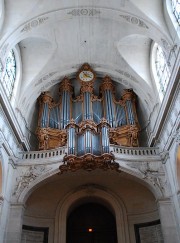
117 41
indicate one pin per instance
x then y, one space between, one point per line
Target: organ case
77 121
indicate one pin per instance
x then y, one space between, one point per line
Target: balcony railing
118 152
44 154
136 151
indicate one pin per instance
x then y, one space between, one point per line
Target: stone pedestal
15 224
168 221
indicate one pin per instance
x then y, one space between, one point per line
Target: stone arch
94 194
49 171
35 184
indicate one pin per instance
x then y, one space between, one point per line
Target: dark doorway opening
91 223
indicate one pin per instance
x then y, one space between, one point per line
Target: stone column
168 221
14 229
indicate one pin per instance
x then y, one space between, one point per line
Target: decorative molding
89 162
47 76
134 20
125 135
51 138
47 85
127 75
146 168
33 24
152 173
27 177
84 12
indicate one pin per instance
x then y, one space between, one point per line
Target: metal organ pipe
130 112
107 88
120 116
45 100
111 108
64 108
66 90
71 140
45 115
87 105
105 139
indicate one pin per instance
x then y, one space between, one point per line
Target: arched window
176 9
9 74
162 71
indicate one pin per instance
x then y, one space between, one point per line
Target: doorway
91 223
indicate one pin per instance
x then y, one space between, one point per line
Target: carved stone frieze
33 24
135 21
27 177
127 75
47 85
152 173
89 162
84 12
49 75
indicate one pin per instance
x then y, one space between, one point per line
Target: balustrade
116 150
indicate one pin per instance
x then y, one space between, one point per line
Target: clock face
86 76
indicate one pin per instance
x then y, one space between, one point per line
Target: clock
86 75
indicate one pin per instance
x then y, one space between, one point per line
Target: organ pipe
66 91
87 123
107 90
45 101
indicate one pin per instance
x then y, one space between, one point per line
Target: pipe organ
87 123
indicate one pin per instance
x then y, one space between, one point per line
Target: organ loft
87 121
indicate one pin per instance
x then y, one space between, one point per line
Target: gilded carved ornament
89 162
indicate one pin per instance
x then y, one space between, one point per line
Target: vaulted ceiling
56 37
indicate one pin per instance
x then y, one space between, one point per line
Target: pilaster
15 223
168 221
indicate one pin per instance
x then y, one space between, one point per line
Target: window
9 74
176 9
162 71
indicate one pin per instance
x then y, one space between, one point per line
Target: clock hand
86 75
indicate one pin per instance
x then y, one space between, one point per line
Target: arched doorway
91 223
